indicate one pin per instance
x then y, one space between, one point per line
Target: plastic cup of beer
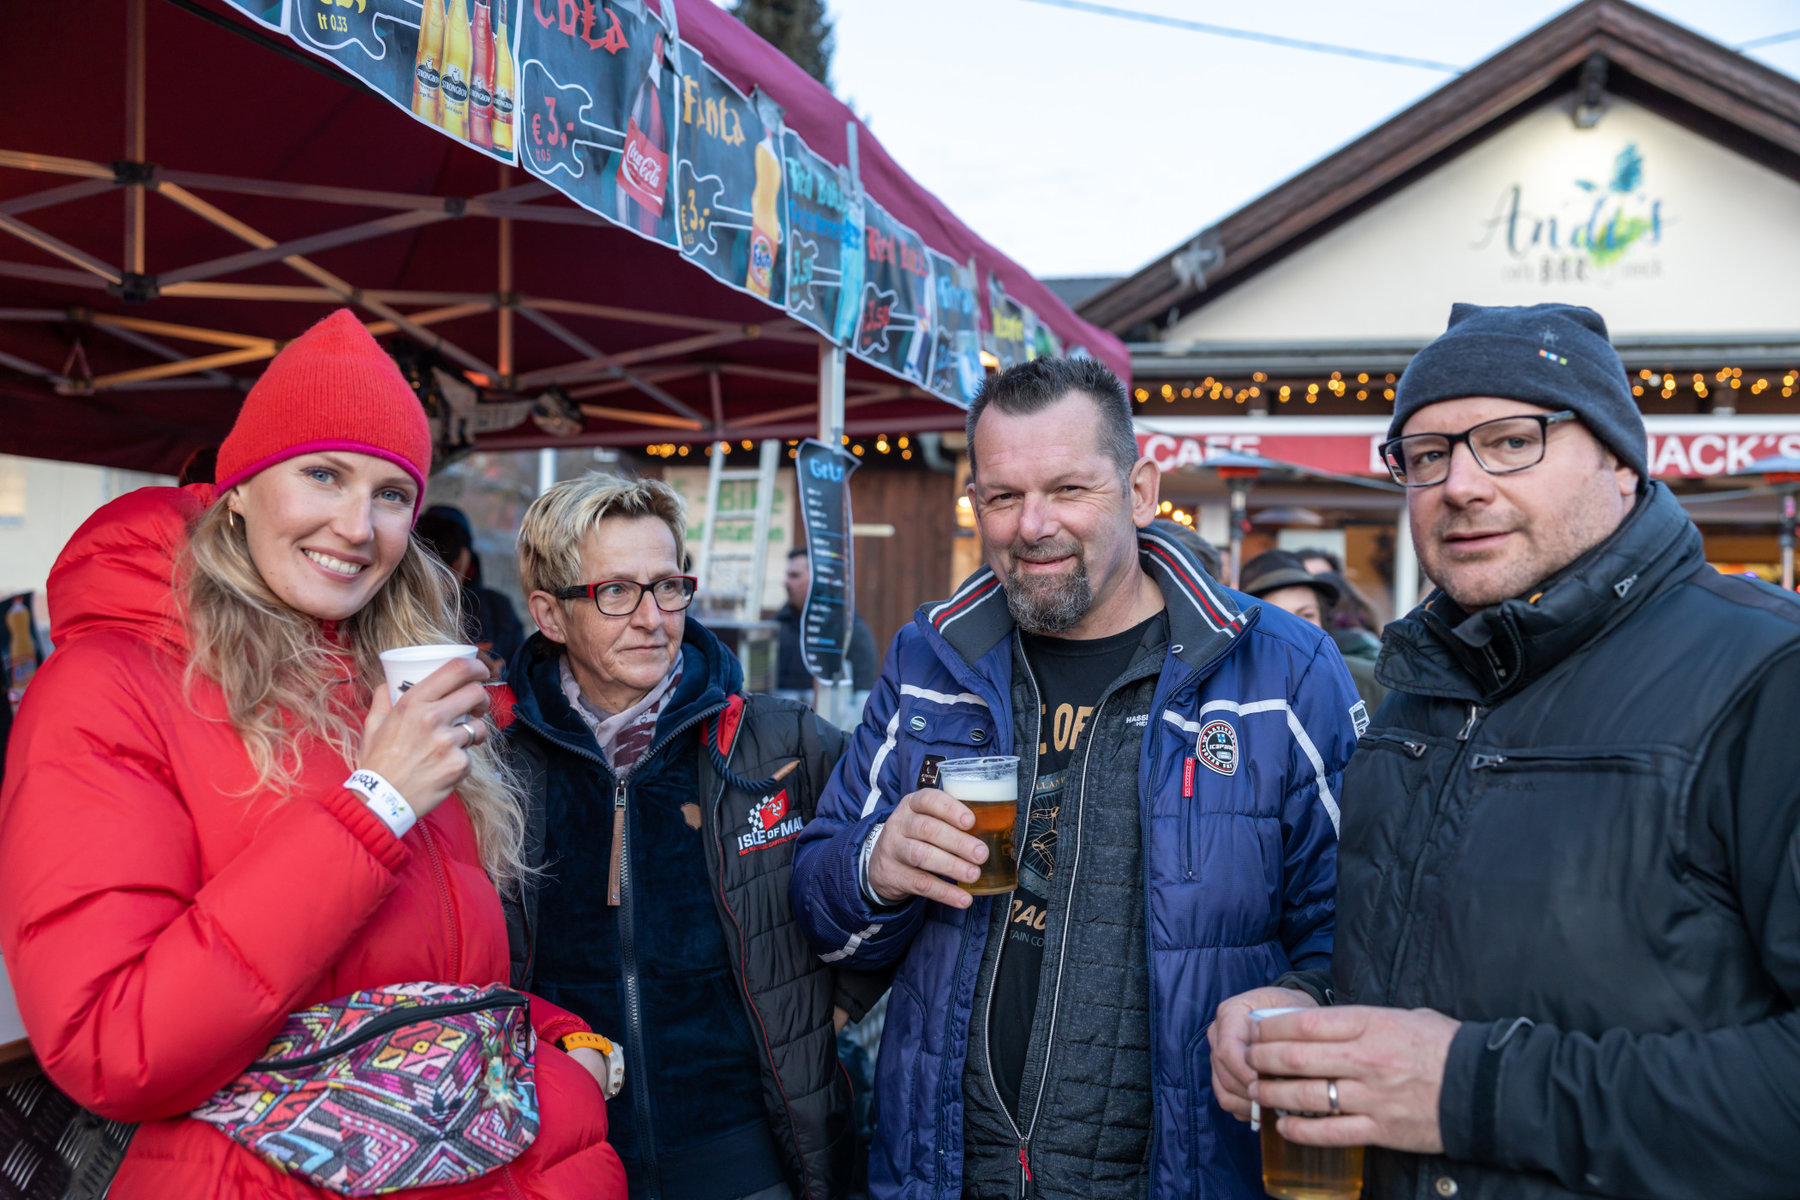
407 665
990 789
1295 1172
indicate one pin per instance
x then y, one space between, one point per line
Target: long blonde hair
277 673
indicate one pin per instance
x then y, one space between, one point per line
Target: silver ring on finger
1331 1097
468 727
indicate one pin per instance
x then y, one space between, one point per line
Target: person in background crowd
1350 620
662 813
1568 953
446 530
183 862
790 665
199 467
1281 578
1199 547
1179 756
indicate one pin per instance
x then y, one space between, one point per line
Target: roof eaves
1697 70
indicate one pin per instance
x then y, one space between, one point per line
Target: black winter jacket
787 993
1573 826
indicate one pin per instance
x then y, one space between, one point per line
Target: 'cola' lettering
580 19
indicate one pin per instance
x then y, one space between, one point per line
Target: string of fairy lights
1665 384
883 444
1365 386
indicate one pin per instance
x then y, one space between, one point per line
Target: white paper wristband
383 801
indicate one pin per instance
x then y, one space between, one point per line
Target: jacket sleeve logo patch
770 824
1218 747
1359 717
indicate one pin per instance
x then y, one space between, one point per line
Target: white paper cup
407 665
1257 1015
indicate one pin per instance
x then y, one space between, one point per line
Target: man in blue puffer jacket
1179 767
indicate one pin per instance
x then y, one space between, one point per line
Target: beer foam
981 791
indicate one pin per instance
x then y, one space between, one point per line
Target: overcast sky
1084 144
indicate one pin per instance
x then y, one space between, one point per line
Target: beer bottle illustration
503 84
643 179
428 66
458 66
481 78
765 225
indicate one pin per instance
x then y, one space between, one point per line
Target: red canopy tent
181 189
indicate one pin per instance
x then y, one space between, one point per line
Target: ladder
732 578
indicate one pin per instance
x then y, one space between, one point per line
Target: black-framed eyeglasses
621 597
1499 447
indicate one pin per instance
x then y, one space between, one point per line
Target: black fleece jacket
1575 825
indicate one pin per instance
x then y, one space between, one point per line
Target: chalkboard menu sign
893 328
729 204
824 239
822 475
597 107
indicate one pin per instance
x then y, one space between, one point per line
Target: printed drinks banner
1006 326
824 241
271 14
729 208
604 102
955 371
597 109
448 62
894 322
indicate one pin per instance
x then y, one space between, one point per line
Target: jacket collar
1203 616
1439 650
710 674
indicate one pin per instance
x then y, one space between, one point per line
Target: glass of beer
990 788
1295 1172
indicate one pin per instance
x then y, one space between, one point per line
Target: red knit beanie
331 388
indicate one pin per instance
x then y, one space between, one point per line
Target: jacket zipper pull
618 845
1024 1172
1469 725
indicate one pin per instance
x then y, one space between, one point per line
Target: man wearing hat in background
1568 955
1280 577
496 629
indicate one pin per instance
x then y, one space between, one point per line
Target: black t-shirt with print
1071 677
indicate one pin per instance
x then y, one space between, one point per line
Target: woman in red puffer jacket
181 862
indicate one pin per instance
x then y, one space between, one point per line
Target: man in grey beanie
1568 942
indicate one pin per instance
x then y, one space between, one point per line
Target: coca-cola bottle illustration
643 179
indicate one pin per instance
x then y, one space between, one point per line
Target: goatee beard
1049 604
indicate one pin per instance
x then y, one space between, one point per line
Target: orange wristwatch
615 1057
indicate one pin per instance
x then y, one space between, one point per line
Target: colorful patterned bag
407 1086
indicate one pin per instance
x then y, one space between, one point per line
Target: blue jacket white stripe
1239 882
